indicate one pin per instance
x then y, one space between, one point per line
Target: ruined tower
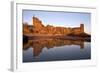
82 28
37 24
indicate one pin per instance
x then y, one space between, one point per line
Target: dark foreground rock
25 39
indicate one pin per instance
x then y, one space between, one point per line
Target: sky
62 19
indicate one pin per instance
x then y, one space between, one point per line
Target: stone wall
39 28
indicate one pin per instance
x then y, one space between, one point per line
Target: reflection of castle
39 28
38 45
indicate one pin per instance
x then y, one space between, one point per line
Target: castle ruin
38 28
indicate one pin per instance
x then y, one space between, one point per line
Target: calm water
54 50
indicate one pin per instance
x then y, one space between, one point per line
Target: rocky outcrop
39 29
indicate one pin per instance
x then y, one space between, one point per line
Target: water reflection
39 44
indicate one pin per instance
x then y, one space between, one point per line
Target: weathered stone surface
39 29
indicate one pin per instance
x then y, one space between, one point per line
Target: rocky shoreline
61 37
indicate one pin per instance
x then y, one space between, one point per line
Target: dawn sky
62 19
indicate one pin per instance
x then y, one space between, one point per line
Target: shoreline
61 37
